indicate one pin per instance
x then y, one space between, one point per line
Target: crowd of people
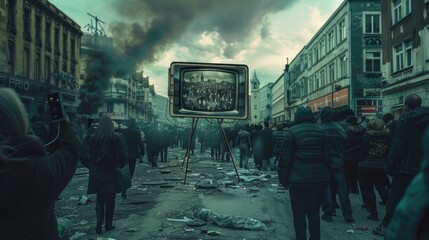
209 96
319 159
336 155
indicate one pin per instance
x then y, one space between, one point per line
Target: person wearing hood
411 218
335 136
375 143
304 167
405 154
352 153
30 179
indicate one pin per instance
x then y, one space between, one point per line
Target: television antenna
96 27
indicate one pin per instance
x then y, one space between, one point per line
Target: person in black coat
352 154
375 145
30 179
153 143
304 167
405 154
411 218
134 141
266 137
107 154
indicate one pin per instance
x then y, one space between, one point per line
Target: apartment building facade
340 66
39 53
278 100
405 52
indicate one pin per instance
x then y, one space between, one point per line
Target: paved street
158 203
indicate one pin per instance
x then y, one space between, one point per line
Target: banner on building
341 98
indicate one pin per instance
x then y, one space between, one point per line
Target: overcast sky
153 33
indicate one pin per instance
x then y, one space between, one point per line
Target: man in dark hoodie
405 154
335 135
304 167
411 219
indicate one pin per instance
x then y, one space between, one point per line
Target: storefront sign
341 98
30 88
368 110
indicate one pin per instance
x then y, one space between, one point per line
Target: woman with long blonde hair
107 154
31 180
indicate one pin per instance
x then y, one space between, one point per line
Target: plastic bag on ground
234 222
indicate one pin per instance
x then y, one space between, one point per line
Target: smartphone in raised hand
56 107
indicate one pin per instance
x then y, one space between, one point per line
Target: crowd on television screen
209 96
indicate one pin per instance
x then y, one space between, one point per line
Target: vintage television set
208 90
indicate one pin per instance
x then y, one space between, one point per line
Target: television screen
208 90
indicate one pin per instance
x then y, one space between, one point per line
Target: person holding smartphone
30 179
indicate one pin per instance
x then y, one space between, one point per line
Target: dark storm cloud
157 24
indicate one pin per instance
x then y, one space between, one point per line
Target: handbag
124 177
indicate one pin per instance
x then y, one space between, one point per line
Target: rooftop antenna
96 28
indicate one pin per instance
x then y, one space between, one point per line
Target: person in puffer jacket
30 179
304 167
371 168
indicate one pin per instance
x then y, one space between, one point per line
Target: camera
56 107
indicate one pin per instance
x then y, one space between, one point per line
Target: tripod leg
194 126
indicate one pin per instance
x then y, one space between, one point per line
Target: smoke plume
100 67
153 26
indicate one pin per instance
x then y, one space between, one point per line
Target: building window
316 54
407 7
403 55
342 30
401 8
322 78
398 58
322 48
397 11
310 87
26 62
11 14
426 42
48 35
65 47
372 23
38 30
56 72
256 107
57 40
38 66
343 66
72 49
11 57
331 40
408 45
372 61
48 69
27 24
316 81
331 72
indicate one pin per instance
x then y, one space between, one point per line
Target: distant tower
255 111
202 77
